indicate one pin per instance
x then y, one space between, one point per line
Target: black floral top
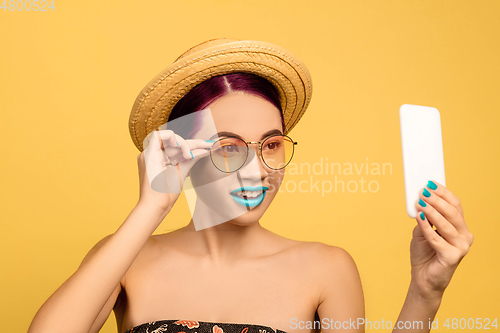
190 326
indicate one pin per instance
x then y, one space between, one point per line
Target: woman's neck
221 240
227 242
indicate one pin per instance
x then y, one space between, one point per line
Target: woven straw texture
217 57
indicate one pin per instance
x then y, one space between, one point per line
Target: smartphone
422 146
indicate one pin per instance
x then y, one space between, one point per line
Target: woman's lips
249 196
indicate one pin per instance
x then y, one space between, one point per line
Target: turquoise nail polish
426 193
422 203
192 155
210 140
431 185
422 216
176 143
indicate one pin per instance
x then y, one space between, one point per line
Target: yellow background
69 77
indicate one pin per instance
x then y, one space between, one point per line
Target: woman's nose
254 167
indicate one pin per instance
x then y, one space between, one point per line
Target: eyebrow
265 135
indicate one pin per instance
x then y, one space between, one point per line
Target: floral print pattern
191 326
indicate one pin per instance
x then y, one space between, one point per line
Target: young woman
224 272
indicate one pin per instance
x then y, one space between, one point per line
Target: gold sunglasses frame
259 151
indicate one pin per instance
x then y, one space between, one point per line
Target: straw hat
214 57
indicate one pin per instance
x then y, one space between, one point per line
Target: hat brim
285 71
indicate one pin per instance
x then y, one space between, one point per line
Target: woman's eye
272 145
229 149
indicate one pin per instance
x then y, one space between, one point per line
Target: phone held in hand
422 148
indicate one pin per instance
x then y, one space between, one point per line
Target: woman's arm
435 254
341 306
78 302
417 312
81 302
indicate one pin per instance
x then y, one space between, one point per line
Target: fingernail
192 155
176 143
431 185
426 193
422 203
210 140
422 216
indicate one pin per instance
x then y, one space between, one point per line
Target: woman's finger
443 226
199 144
197 154
448 205
177 148
166 138
444 193
193 148
447 210
171 142
184 146
197 149
435 241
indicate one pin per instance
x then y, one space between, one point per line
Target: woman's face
251 118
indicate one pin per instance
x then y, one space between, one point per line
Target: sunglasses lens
277 151
229 154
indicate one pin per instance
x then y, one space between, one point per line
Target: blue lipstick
246 201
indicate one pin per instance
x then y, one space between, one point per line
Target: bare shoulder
151 250
158 247
317 251
335 260
333 254
341 294
323 257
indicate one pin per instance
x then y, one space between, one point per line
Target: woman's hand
164 165
435 254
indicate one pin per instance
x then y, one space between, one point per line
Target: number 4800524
470 323
27 5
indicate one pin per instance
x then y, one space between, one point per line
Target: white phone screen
422 147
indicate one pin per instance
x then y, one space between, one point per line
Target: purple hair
208 91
